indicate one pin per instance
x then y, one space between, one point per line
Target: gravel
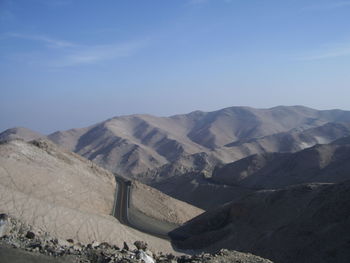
22 243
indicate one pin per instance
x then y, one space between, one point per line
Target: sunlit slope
147 145
62 193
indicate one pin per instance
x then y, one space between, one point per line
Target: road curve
132 217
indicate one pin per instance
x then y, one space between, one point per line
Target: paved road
130 216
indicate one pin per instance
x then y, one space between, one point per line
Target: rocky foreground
22 243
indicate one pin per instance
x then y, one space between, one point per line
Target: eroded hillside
63 194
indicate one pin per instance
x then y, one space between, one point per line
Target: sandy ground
63 194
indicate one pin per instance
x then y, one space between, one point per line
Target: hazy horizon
72 63
157 115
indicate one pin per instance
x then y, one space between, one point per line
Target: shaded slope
305 223
321 163
156 204
328 163
343 140
200 191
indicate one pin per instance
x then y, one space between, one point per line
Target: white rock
3 226
95 244
143 256
63 243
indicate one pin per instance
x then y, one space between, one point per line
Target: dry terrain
305 223
63 194
275 182
155 148
155 204
24 244
327 163
178 154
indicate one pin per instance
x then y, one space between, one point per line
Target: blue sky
72 63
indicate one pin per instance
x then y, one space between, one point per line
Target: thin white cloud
61 53
328 52
98 53
328 5
50 42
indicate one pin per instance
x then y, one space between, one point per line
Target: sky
72 63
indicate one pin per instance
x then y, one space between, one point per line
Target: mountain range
151 148
274 182
182 151
322 163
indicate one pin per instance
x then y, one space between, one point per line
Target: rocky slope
65 195
304 223
22 243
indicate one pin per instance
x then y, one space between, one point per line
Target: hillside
145 146
156 204
61 193
304 223
293 140
200 191
343 140
328 163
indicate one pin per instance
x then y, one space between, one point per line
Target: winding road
127 215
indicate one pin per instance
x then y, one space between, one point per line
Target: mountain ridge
142 145
145 142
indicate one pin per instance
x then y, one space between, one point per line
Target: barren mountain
70 197
304 223
19 133
150 146
155 149
293 140
327 163
41 171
